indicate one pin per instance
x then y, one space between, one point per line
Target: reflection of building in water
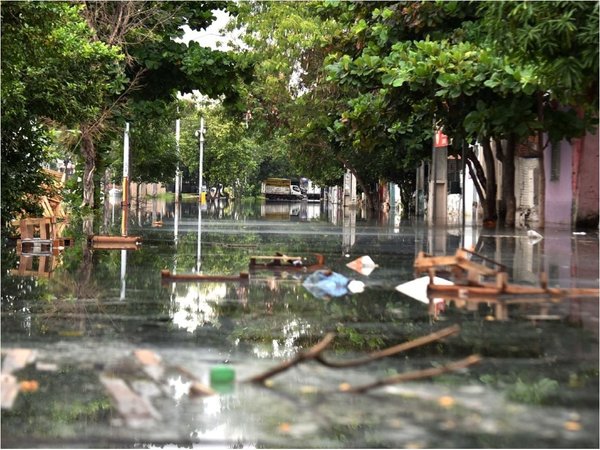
291 211
348 229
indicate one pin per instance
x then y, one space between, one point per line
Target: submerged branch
301 356
315 353
418 374
455 329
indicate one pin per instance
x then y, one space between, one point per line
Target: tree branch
455 329
416 375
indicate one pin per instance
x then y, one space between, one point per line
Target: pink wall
559 193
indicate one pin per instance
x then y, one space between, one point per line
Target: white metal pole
123 273
125 185
201 137
177 175
199 249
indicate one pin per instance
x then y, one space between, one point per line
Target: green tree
426 63
559 42
157 67
53 72
289 102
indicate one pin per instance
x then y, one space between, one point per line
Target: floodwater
86 312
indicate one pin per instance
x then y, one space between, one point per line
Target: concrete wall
586 181
526 174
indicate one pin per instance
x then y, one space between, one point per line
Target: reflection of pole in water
176 231
348 229
123 272
176 237
201 145
177 174
200 163
199 238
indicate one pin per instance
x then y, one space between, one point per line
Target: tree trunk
490 186
106 204
542 168
479 179
366 189
508 181
88 152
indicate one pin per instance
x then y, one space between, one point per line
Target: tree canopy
312 89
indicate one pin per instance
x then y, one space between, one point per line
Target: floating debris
534 237
284 262
315 353
136 410
469 275
363 265
326 283
417 288
98 242
10 390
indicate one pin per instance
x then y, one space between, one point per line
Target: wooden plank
136 410
471 266
111 246
10 390
17 359
151 363
279 258
116 239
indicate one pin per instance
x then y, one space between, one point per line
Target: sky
212 35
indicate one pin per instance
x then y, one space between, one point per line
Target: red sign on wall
441 140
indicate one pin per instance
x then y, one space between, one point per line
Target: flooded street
86 313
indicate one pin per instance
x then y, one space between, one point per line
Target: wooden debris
284 262
469 275
419 374
197 388
300 356
98 242
9 390
150 362
17 359
136 410
424 340
200 390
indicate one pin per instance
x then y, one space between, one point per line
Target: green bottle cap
222 374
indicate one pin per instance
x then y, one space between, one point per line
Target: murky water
86 311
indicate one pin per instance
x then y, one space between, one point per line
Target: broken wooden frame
500 305
277 263
39 238
469 277
315 353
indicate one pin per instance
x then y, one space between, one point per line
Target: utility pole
201 145
177 173
200 194
125 185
